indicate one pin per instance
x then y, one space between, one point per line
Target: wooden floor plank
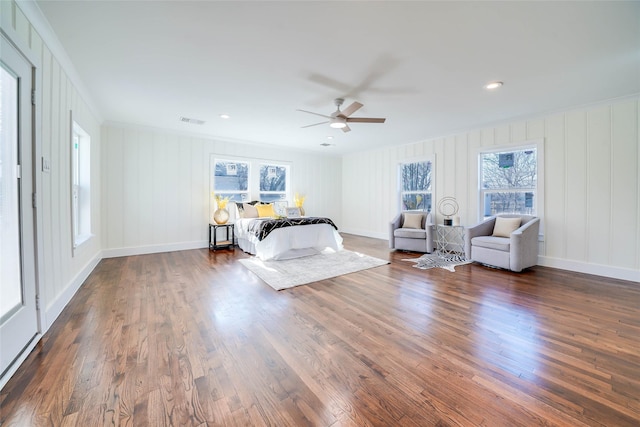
192 338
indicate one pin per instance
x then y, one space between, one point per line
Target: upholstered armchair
505 241
412 231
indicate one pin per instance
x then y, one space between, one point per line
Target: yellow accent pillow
412 221
266 211
504 226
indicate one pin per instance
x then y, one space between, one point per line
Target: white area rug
448 262
300 271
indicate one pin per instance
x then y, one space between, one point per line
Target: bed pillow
505 226
249 211
239 210
412 221
265 211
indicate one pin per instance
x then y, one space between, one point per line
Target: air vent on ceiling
192 121
326 144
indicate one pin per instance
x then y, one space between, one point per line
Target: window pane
231 176
271 197
11 275
416 176
509 202
514 169
416 201
235 197
273 178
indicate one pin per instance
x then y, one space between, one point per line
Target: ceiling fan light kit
338 123
340 119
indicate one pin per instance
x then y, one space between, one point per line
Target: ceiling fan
339 119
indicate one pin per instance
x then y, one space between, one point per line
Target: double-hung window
415 181
80 184
274 182
509 181
231 179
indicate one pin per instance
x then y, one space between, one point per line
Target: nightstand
230 237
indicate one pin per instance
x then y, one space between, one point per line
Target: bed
278 239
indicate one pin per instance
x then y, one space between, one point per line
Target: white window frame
80 185
401 192
245 195
283 195
538 206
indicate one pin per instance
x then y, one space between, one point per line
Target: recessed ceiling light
493 85
225 116
329 137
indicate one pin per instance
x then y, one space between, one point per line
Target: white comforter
288 242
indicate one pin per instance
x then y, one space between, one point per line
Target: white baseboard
589 268
562 264
365 233
54 309
153 249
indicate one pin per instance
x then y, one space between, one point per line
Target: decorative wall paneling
591 193
156 186
60 272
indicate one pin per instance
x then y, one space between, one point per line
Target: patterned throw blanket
262 228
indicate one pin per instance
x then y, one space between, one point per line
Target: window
231 179
274 182
415 186
80 184
509 181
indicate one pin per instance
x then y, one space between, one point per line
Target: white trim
41 25
365 233
54 309
17 363
590 268
153 249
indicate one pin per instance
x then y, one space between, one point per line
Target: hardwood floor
192 338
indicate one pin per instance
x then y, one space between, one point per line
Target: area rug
448 262
301 271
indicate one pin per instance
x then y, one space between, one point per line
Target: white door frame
10 36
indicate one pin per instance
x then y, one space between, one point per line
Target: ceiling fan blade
316 114
364 120
355 106
315 124
346 129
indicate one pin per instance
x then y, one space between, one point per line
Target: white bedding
288 242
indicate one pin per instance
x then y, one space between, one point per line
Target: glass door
18 314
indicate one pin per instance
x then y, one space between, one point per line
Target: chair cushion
410 233
491 242
412 220
504 226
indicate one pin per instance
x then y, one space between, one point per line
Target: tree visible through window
508 181
231 179
415 186
273 182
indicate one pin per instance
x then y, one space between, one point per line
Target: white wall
61 273
591 190
156 192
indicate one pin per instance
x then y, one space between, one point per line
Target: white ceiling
422 65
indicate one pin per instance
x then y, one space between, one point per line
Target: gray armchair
405 235
515 253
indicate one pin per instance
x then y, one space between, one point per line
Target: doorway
18 305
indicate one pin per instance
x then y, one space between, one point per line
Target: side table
450 241
228 242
